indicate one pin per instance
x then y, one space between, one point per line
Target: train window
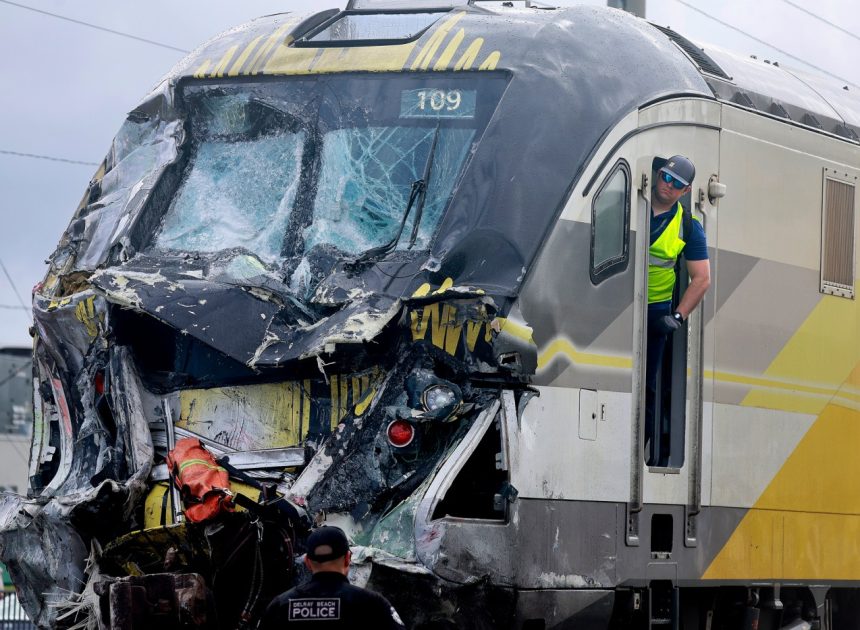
370 168
380 26
240 189
837 234
610 224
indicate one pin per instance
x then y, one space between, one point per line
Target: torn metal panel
44 554
275 330
146 145
428 531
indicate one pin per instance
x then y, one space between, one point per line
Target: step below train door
670 457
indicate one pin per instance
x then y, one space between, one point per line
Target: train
387 265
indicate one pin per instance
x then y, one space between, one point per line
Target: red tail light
401 433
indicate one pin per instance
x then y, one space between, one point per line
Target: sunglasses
669 179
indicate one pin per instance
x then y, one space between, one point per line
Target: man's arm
700 280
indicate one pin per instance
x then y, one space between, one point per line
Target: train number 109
438 100
437 103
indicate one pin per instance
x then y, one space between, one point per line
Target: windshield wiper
417 192
425 184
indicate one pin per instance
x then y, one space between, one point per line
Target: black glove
670 323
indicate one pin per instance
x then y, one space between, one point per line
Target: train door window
610 224
837 234
667 402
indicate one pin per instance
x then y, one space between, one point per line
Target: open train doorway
671 451
666 395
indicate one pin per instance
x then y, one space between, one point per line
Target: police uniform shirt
329 601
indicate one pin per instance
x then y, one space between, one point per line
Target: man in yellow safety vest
673 232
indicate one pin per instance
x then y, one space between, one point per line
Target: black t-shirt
329 601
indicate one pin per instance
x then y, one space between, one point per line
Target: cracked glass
281 168
366 178
240 188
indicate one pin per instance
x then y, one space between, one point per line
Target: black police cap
327 543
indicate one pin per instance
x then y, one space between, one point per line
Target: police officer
672 234
328 600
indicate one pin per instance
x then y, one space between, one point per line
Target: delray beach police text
314 609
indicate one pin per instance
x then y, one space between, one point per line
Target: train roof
418 35
820 102
579 44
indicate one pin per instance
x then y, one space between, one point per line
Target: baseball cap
327 543
680 168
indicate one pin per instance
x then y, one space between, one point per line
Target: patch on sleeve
314 609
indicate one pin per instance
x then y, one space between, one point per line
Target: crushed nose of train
276 327
454 328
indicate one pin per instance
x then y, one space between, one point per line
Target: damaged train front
243 333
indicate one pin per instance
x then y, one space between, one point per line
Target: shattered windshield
278 168
240 190
365 180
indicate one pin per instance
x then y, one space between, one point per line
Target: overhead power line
46 157
14 288
95 26
760 41
821 19
15 307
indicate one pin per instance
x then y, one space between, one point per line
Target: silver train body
391 263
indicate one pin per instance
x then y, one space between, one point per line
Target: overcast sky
67 88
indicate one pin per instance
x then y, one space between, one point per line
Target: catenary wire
46 157
760 41
95 26
821 19
13 307
14 288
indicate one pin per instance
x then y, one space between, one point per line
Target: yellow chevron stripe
218 71
806 524
425 56
286 60
565 347
201 71
260 58
468 58
491 61
240 61
423 290
815 354
450 50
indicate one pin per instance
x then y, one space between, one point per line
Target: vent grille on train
837 238
702 60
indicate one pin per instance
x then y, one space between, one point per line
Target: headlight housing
438 397
441 400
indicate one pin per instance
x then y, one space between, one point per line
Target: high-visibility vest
205 486
662 256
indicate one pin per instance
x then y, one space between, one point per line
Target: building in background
16 417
